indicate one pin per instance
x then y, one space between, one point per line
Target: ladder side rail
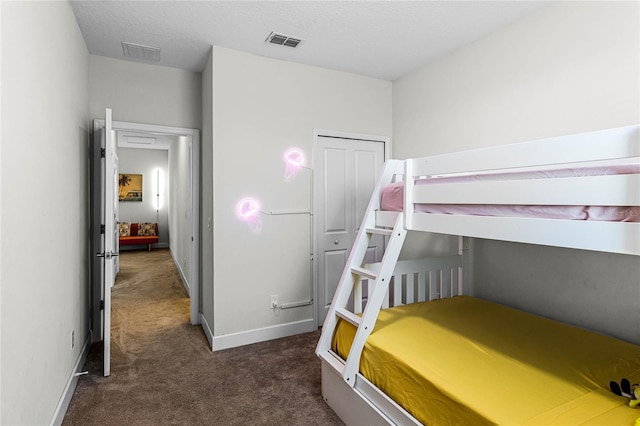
375 301
392 168
345 286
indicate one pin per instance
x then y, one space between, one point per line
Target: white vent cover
139 51
283 40
140 140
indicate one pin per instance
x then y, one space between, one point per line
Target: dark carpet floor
164 373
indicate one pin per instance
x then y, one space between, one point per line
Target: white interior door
108 211
346 173
111 233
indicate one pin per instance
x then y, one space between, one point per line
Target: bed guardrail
418 280
514 164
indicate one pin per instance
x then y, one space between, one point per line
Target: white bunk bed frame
394 282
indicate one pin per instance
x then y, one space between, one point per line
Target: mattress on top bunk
464 360
392 197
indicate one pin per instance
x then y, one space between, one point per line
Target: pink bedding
392 197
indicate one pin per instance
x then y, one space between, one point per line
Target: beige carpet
163 372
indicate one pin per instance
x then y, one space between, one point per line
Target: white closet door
346 173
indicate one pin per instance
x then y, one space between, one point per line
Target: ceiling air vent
139 51
283 40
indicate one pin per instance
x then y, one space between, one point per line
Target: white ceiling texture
380 39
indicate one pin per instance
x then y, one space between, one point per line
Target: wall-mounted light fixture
159 188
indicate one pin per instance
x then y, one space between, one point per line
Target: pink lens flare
294 157
247 208
294 162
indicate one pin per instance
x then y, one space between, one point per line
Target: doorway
346 171
184 241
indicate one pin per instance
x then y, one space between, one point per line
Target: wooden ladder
351 282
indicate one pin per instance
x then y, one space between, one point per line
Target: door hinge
102 305
102 229
103 153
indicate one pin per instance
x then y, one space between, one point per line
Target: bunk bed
405 341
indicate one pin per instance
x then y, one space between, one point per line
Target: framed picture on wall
129 187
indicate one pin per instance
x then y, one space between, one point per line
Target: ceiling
380 39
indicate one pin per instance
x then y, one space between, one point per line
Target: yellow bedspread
465 361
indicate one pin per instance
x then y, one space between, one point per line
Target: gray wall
44 175
569 68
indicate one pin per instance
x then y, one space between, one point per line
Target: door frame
195 286
338 135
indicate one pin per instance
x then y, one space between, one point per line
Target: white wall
179 205
571 67
44 212
261 107
146 162
143 93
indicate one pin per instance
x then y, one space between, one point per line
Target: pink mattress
392 197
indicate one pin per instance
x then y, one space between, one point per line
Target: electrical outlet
73 339
274 301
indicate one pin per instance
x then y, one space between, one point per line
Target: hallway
163 371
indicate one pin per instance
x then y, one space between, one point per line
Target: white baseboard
262 334
183 278
63 404
208 332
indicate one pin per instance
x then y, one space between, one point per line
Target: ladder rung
380 231
349 316
364 272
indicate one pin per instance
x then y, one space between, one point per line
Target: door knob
335 242
107 255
